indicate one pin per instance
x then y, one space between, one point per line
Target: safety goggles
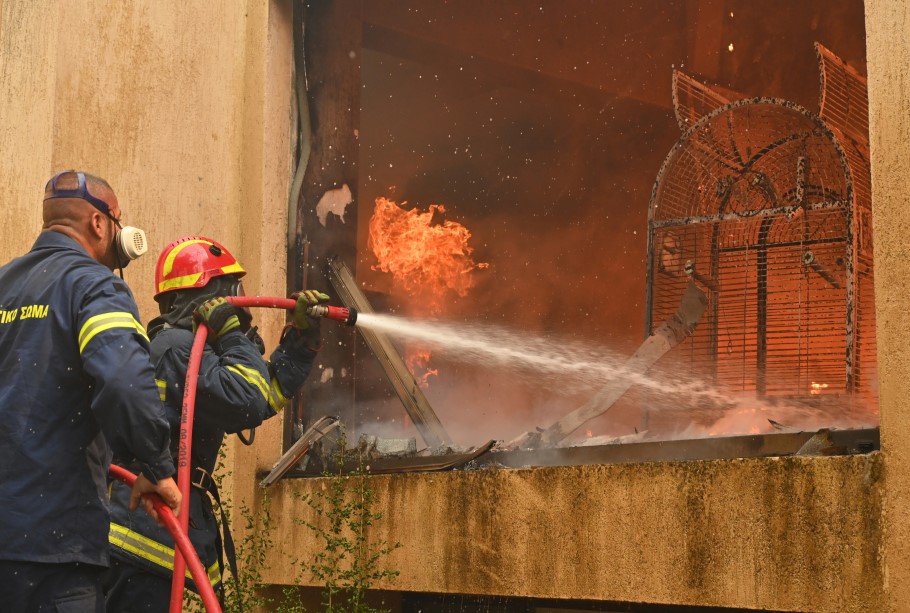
80 192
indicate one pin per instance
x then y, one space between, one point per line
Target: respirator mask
130 243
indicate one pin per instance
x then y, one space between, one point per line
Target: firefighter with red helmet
237 390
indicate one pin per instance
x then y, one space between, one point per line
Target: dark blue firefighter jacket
75 381
236 390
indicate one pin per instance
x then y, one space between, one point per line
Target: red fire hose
345 315
183 463
181 540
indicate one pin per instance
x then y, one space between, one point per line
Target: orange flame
817 388
424 258
417 361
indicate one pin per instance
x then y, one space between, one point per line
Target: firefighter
236 390
76 382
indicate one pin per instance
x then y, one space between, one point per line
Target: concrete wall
888 50
793 534
184 107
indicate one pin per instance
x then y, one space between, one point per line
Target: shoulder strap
202 480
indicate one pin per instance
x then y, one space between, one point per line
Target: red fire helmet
192 261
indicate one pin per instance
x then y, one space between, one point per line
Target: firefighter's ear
97 226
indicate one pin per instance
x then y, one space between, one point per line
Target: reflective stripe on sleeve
254 378
107 321
162 389
277 399
153 551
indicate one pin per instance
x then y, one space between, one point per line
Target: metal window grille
766 205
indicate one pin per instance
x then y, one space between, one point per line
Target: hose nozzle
340 314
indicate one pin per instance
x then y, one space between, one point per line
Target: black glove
218 315
302 340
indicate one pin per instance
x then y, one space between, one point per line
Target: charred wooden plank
406 386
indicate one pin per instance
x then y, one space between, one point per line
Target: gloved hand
306 299
218 315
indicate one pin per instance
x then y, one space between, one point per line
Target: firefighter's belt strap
202 479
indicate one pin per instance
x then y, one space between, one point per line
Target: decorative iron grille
766 206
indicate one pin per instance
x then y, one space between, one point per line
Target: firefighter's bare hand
306 299
165 488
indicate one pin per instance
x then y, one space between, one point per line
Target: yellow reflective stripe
106 321
179 282
235 267
253 377
191 279
162 389
169 260
277 400
153 551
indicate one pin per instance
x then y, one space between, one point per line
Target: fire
426 260
817 388
417 361
741 420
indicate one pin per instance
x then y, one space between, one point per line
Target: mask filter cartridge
131 243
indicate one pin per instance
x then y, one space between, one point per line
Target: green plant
290 602
251 560
240 593
348 563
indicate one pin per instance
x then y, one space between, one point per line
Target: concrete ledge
799 534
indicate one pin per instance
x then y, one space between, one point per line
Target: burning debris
679 327
758 230
418 362
406 386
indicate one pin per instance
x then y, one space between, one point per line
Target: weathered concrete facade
184 108
888 44
190 124
187 109
796 534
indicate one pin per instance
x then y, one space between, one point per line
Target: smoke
499 382
551 173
